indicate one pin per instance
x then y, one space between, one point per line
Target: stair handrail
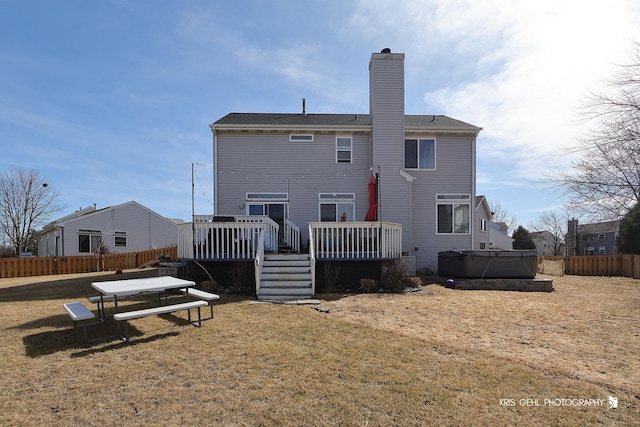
271 231
259 258
292 235
312 259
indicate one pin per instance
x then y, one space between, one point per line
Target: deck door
278 211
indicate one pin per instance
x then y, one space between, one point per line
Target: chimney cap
386 50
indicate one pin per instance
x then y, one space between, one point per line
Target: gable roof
482 201
499 226
90 211
599 227
313 121
541 235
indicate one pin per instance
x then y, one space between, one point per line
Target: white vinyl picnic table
130 287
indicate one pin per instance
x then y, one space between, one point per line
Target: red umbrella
372 213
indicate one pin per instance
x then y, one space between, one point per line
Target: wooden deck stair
285 277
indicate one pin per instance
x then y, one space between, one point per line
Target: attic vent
301 137
385 50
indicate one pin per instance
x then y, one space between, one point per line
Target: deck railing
207 239
235 240
356 240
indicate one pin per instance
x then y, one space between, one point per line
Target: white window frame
602 250
263 199
483 225
93 234
337 199
343 149
118 235
419 167
456 201
301 137
267 197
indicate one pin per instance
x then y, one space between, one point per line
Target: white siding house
311 168
129 227
498 238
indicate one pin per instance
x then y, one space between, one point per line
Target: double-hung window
337 206
453 213
420 153
344 149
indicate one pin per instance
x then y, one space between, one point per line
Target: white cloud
297 63
528 106
527 65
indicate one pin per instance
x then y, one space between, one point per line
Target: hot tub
477 264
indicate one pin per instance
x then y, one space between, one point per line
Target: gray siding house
598 238
129 227
482 240
352 187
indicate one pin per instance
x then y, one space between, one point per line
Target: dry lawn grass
434 357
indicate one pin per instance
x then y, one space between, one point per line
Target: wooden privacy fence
26 267
599 265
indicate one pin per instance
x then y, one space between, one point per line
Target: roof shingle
356 120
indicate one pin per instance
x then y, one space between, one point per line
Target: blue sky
111 100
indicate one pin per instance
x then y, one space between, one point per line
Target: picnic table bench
203 295
164 309
99 299
78 313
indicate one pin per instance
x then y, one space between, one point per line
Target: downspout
410 178
62 241
473 190
215 169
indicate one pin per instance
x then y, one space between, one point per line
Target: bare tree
500 214
604 182
552 226
26 202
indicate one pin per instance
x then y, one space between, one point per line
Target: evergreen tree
522 239
629 236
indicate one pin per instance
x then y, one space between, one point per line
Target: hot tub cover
488 264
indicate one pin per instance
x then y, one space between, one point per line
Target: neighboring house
498 238
547 243
129 227
592 239
482 238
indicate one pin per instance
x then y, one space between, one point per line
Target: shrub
331 273
368 285
413 281
393 278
